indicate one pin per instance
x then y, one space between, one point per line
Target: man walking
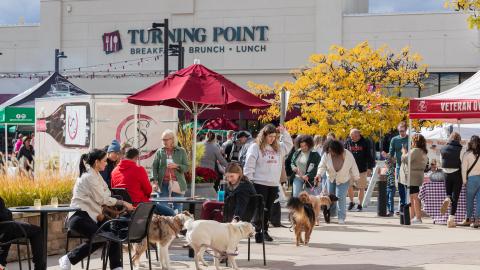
361 150
396 144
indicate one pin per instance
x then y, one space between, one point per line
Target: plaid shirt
390 174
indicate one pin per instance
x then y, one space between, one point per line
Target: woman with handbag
418 162
471 178
90 194
169 167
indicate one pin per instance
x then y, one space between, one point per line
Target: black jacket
451 155
238 199
107 173
5 214
312 165
362 153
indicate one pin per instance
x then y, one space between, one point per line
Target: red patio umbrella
220 123
197 88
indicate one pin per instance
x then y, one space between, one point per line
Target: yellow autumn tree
357 87
471 7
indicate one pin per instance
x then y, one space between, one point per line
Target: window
448 81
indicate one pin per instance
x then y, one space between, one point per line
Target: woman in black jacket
304 166
451 165
237 194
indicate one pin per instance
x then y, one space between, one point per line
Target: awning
17 116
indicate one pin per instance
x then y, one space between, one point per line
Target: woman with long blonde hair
263 166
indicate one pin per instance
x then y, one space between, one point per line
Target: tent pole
194 145
135 139
407 199
6 146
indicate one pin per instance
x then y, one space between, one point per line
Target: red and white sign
111 42
444 108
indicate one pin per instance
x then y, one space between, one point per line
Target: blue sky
11 10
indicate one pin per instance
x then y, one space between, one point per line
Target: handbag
175 187
111 212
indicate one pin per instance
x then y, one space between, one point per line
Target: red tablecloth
432 195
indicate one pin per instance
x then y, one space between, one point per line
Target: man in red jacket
134 179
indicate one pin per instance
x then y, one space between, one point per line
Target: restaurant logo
126 133
422 106
111 42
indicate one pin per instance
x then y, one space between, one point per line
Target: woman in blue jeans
340 166
169 167
304 166
471 177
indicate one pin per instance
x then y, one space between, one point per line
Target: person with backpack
232 152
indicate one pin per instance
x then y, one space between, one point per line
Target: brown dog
302 217
162 231
322 203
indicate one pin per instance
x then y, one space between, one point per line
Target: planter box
57 236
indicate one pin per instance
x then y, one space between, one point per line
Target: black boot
258 237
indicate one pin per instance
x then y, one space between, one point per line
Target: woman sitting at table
89 194
237 193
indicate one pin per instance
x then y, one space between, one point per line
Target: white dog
222 238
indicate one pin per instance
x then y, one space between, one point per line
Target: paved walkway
365 242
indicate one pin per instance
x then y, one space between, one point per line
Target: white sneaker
64 263
341 222
118 268
415 220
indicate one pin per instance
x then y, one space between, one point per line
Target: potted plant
204 181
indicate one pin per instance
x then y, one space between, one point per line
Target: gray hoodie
265 167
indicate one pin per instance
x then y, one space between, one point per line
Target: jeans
163 210
165 192
340 190
390 198
298 187
84 225
402 192
35 236
473 193
453 187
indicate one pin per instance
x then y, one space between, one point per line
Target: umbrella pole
6 146
194 146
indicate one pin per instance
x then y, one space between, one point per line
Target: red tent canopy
459 104
220 124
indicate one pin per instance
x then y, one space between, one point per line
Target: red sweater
134 179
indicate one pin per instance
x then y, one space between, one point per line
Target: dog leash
223 254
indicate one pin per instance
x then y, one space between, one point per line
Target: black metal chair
71 234
18 241
257 215
122 194
137 230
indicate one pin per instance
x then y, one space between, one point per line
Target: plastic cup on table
37 203
54 202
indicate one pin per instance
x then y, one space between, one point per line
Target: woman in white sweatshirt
471 177
89 194
263 166
340 166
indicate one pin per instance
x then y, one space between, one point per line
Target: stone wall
57 236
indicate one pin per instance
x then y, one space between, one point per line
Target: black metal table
188 200
44 210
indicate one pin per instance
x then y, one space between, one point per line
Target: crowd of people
257 165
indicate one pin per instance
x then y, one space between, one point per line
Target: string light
116 70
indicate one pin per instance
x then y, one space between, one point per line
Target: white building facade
249 40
